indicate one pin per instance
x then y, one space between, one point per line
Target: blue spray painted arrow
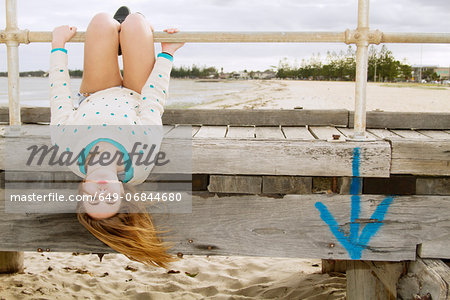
353 243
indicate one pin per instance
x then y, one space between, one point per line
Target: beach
295 94
82 276
270 94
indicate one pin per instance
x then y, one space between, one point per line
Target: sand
289 94
68 276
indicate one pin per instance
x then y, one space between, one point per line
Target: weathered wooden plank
241 132
289 157
211 132
411 134
28 114
259 117
245 156
384 134
235 184
326 133
254 225
297 132
430 157
348 133
286 185
404 120
267 117
272 132
363 284
181 131
264 117
431 249
28 130
433 186
167 128
436 134
425 276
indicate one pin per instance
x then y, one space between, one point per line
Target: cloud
234 15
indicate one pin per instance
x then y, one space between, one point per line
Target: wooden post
373 279
333 266
363 284
11 262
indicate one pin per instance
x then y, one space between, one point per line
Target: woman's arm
60 92
155 91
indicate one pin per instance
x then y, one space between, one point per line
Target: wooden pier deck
279 183
255 187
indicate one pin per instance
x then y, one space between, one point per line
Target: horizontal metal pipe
419 38
222 37
25 36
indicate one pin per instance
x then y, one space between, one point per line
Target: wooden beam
288 157
404 120
330 266
251 225
286 185
11 262
236 156
430 249
433 186
260 117
235 184
273 117
419 157
425 276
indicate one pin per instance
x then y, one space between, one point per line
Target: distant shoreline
310 95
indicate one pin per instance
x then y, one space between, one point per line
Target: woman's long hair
130 232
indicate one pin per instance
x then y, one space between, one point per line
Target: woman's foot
120 16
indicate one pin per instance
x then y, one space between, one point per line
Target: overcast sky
240 15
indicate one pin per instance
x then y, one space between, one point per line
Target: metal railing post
362 46
13 63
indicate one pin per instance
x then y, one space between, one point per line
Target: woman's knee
134 21
103 22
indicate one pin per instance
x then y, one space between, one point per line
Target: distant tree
76 73
194 72
405 72
429 75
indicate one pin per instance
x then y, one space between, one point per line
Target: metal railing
362 36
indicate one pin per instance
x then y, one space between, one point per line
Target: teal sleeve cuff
60 49
166 55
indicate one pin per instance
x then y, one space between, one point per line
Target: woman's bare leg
138 51
101 65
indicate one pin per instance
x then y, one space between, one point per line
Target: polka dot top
115 107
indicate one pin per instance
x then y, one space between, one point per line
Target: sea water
34 91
